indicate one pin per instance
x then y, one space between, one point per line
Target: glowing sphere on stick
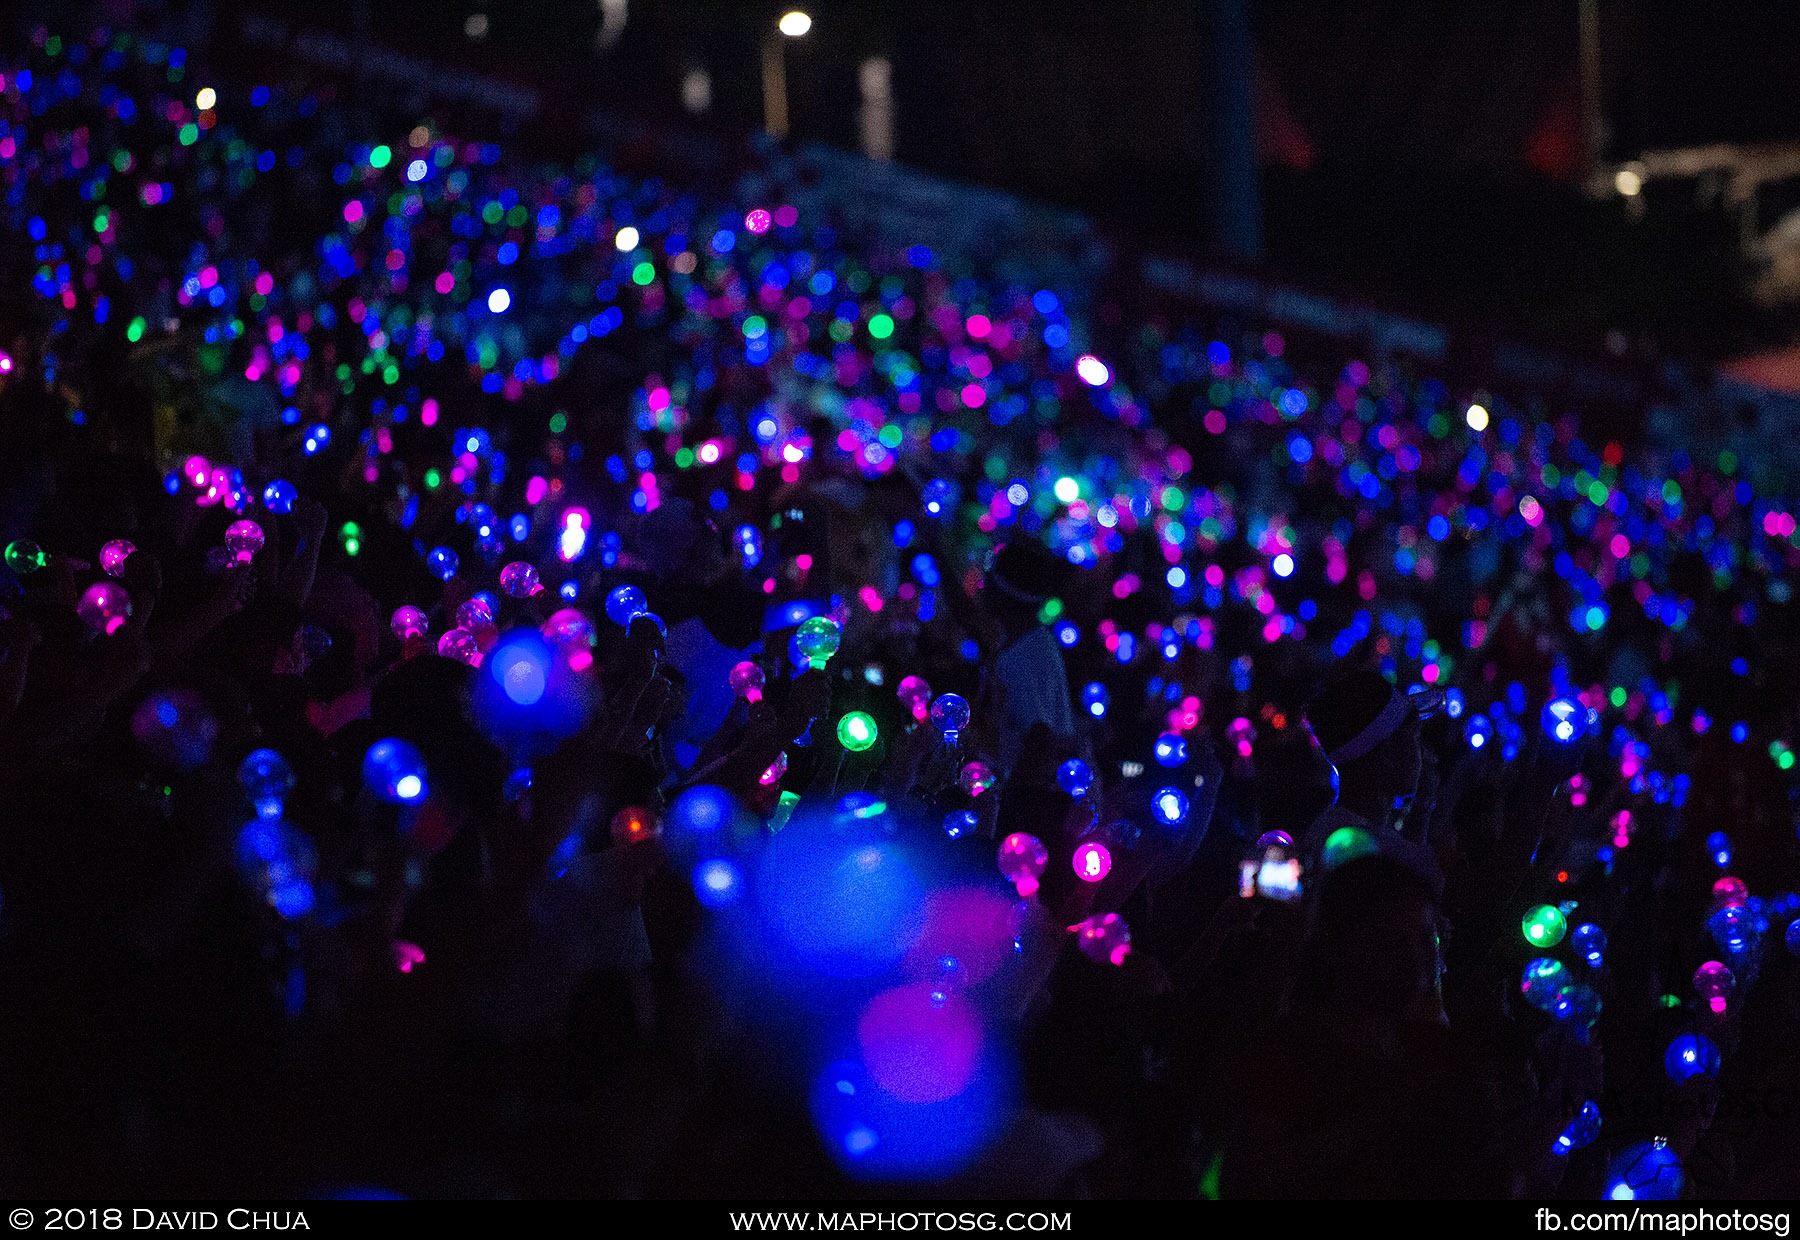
774 771
519 580
1647 1171
1170 751
747 681
1690 1055
461 645
569 627
1578 1007
475 615
520 665
915 695
1589 942
1730 890
1544 926
266 778
442 563
1733 928
243 539
1792 938
408 622
279 496
950 715
113 556
105 606
1478 732
975 778
1541 981
1169 806
1582 1131
1095 699
1565 720
1092 861
856 731
961 822
818 639
634 824
1075 777
175 726
1713 983
1022 859
624 604
394 770
940 498
702 809
1103 938
24 556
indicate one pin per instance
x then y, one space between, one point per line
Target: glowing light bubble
520 665
918 1048
1792 937
1092 371
461 645
1541 981
975 778
519 580
105 606
635 824
1095 699
940 495
1647 1171
175 726
1729 890
1075 777
747 681
568 627
1092 861
817 639
1582 1131
1577 1006
113 556
1718 847
1566 720
279 862
961 822
1689 1055
717 882
1713 983
1170 750
475 614
24 556
1544 926
1589 942
243 539
758 220
625 604
442 563
517 785
1345 845
499 300
915 695
1103 938
279 496
1169 806
407 956
950 715
266 778
1022 859
1478 732
394 770
408 622
856 731
1733 928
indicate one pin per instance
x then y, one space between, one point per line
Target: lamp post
793 25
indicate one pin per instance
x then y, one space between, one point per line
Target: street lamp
793 25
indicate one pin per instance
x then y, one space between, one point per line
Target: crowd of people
518 679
